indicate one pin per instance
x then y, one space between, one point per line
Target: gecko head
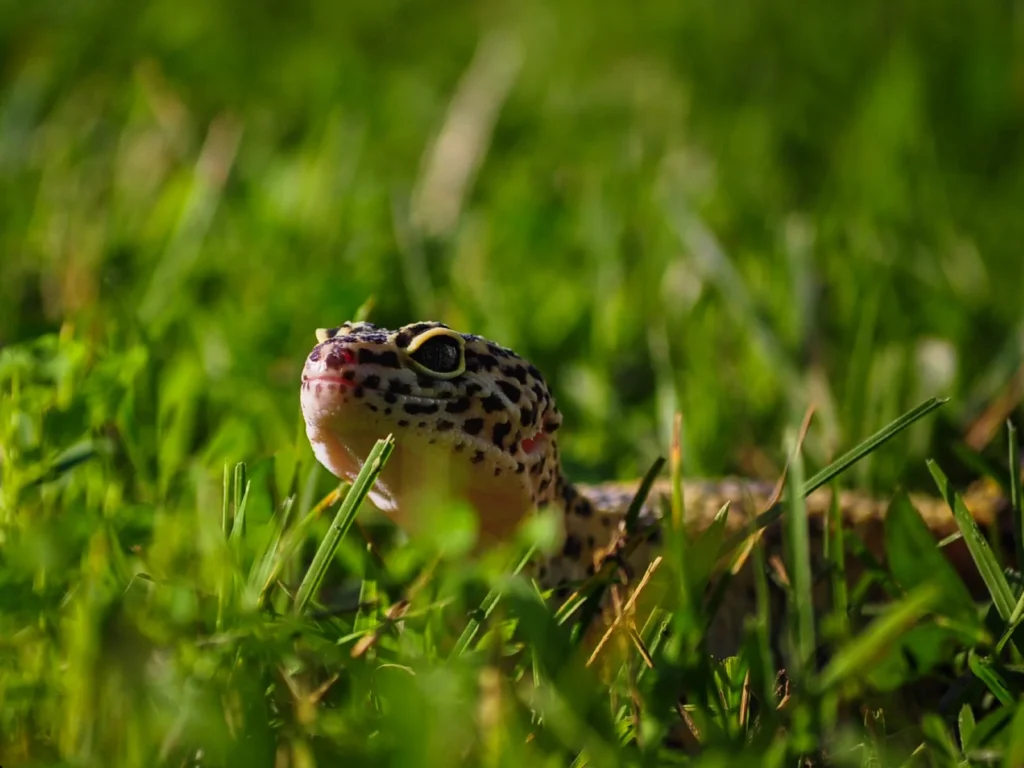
472 420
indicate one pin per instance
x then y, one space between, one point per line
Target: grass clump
249 623
667 209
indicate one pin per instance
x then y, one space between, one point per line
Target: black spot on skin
387 411
422 425
461 405
492 403
390 397
497 471
403 423
473 389
512 392
534 372
517 372
572 547
415 409
590 542
371 382
488 362
348 375
495 350
544 485
358 392
584 508
399 388
372 407
527 417
443 425
473 426
477 457
418 328
520 468
403 339
459 447
500 432
424 382
550 426
385 359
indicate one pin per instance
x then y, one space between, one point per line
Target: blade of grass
488 604
1015 491
836 554
367 476
873 443
594 588
676 468
858 655
241 488
642 492
225 507
238 525
986 671
965 724
798 555
262 567
844 462
981 552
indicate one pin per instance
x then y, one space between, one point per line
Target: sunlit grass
242 621
733 216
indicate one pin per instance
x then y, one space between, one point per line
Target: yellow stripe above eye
427 336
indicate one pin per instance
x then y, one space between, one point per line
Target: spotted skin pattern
476 420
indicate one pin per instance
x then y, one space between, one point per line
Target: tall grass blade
343 520
857 656
1015 491
488 605
844 462
977 545
873 443
798 557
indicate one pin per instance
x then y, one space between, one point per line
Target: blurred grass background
664 206
732 212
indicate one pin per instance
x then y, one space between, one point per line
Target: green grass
670 209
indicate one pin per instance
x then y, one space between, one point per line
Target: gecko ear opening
533 444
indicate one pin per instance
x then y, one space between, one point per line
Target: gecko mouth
328 378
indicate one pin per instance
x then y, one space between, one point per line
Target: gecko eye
438 353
